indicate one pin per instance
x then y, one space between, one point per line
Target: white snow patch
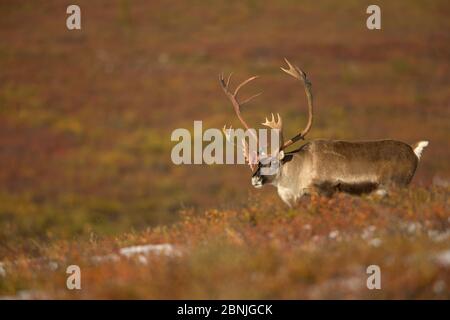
368 232
2 270
165 249
375 242
140 252
437 236
413 227
26 295
106 258
142 259
53 265
439 286
333 234
443 258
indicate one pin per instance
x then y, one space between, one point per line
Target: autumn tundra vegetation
86 174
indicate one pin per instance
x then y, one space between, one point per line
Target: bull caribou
325 166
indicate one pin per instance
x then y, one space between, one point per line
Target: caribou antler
277 125
232 96
299 74
293 71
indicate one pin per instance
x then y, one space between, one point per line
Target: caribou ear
280 155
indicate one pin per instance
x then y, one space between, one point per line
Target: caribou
325 167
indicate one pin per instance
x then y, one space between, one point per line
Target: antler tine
222 81
237 109
227 134
243 84
291 71
267 122
225 131
229 79
280 121
245 149
276 124
250 158
250 98
233 97
299 74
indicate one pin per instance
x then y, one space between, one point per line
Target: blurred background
86 116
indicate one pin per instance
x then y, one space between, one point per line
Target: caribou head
265 167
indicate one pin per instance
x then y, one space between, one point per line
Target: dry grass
320 249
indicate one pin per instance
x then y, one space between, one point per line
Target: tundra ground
85 169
